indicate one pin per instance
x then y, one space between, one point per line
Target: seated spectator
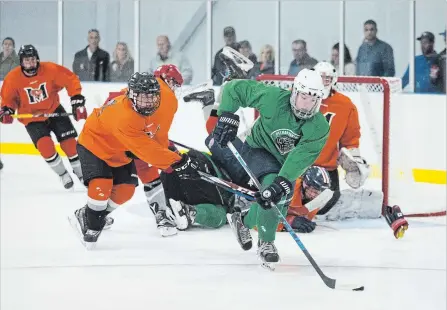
245 49
92 63
301 59
218 72
166 56
8 57
266 64
122 66
335 58
422 65
374 57
437 72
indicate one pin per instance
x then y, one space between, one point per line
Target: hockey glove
396 220
274 192
6 115
78 107
226 128
186 168
302 224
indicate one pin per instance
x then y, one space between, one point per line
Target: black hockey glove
226 128
274 192
302 224
78 107
395 218
186 168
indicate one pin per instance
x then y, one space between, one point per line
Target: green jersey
295 143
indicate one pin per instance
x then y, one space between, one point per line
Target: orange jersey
40 93
343 119
116 127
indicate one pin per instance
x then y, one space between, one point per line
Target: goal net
390 170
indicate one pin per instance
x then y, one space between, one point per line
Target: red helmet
170 74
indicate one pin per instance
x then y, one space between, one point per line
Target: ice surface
44 266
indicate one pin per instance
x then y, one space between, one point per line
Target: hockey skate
66 180
109 222
165 223
241 232
79 222
268 254
205 97
184 215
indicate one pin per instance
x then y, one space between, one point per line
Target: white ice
44 266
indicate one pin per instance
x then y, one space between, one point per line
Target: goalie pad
356 167
361 203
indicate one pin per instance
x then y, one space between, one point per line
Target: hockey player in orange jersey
166 75
33 89
318 191
135 124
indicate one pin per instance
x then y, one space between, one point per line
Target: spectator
122 66
219 69
245 49
375 57
301 59
335 57
8 58
266 64
437 72
92 63
166 56
422 65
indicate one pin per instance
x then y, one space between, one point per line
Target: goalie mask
328 75
144 92
170 75
29 60
307 93
315 180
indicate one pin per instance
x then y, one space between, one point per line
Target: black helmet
29 51
144 83
316 180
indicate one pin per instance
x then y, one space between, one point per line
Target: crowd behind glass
374 58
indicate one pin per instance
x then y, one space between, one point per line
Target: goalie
342 148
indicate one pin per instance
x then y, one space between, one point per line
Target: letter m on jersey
36 95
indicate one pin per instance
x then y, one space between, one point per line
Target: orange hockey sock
48 151
121 193
99 192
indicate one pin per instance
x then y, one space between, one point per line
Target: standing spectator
375 57
245 49
218 71
437 72
8 57
92 63
423 65
335 58
301 58
266 64
122 66
166 56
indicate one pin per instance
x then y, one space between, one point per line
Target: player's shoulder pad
343 98
316 126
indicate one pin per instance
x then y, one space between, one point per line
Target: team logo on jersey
151 131
285 140
36 95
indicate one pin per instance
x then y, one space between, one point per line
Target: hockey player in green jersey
286 139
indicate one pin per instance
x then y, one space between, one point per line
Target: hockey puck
361 288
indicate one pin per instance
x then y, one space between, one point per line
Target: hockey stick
331 283
228 186
41 115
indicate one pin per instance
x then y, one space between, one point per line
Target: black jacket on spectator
439 81
95 69
122 74
262 68
219 68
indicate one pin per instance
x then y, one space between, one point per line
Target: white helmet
307 93
328 74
